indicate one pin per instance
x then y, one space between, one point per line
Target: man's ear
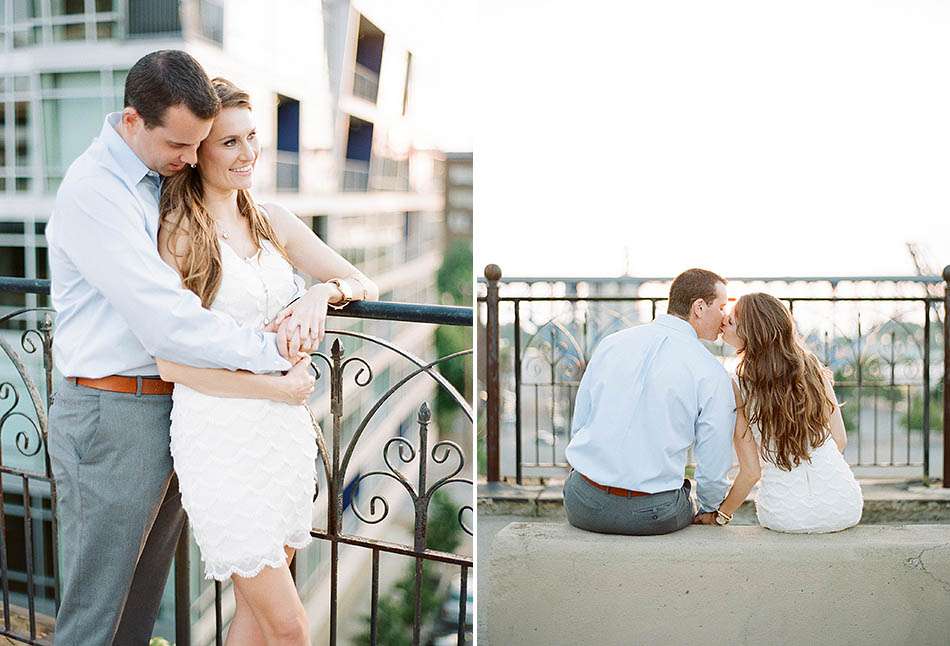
131 117
696 309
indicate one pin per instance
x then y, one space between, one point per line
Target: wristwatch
345 290
722 518
359 281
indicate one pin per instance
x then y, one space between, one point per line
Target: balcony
365 83
149 18
389 174
882 336
211 20
355 175
288 171
375 484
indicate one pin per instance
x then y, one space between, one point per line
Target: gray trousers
595 510
119 513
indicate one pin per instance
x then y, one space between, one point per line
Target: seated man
649 392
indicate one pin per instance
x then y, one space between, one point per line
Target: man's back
649 393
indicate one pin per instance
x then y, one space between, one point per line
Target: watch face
346 289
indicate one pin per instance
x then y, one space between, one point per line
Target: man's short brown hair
166 78
690 285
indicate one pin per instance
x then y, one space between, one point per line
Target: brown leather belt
130 385
614 491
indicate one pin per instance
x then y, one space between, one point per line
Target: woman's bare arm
750 470
312 256
303 323
835 421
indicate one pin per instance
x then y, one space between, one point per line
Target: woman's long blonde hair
182 208
782 382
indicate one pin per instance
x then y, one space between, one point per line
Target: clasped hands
300 326
705 518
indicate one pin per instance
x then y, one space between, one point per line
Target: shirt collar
129 164
676 323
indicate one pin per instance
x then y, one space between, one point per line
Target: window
211 20
70 107
73 108
45 22
151 17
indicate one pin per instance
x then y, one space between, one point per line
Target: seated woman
787 415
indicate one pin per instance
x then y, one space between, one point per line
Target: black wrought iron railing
350 495
884 337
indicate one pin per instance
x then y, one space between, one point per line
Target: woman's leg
272 599
244 629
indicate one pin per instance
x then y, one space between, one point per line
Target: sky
441 36
782 138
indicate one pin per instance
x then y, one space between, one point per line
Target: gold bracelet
728 517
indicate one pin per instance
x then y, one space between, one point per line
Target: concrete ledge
884 502
550 583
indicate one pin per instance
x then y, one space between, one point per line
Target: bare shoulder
279 215
828 380
282 219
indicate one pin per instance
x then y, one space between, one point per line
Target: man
118 306
648 394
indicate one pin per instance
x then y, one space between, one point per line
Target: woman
243 444
787 413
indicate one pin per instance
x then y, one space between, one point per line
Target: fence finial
493 272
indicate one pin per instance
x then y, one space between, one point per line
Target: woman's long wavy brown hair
182 208
782 382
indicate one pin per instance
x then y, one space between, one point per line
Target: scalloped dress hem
223 572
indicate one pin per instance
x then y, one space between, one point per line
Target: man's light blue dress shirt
649 392
118 303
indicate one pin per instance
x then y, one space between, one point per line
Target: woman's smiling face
226 158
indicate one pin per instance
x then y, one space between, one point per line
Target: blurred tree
454 281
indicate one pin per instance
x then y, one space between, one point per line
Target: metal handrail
635 280
390 311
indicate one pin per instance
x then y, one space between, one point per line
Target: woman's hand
303 323
296 386
705 518
274 325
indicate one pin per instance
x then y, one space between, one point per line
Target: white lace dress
246 467
814 497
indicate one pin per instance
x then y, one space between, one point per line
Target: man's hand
297 384
301 326
705 518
